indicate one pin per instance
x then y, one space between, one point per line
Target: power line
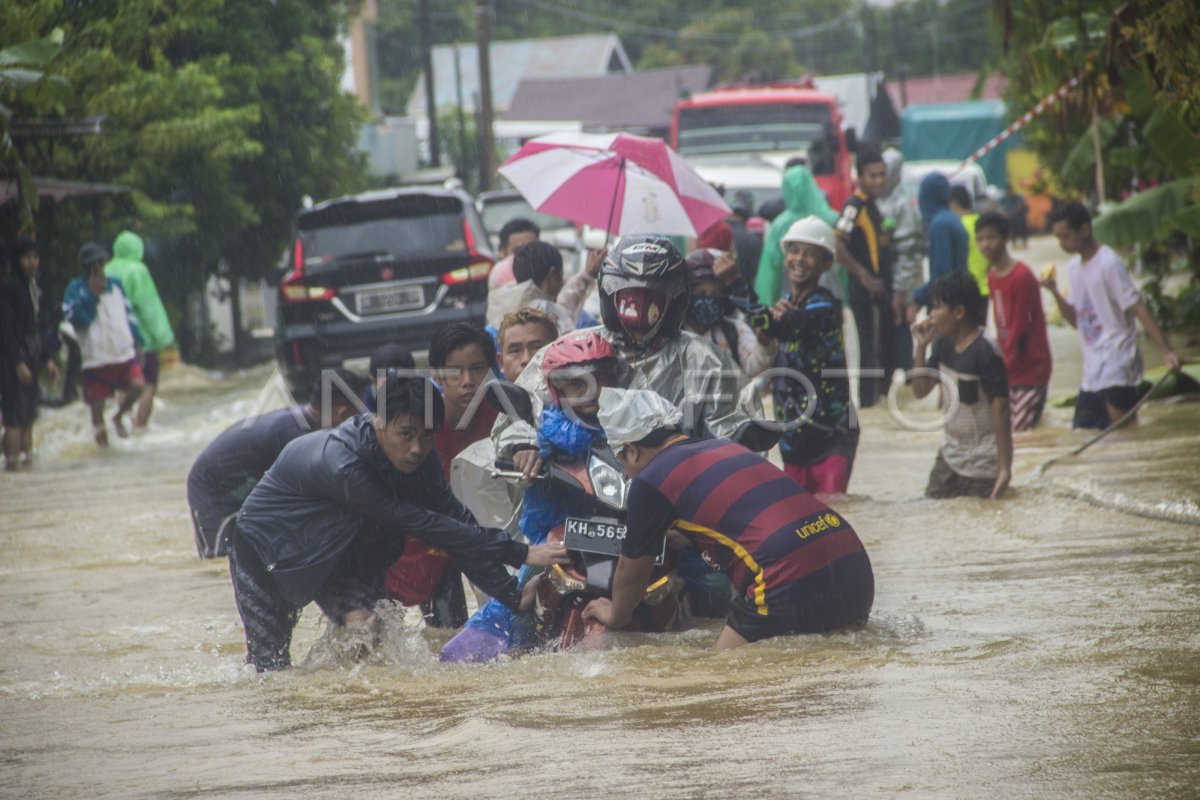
615 11
673 33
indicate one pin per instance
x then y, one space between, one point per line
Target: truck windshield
745 128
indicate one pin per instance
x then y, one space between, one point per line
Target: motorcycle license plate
598 535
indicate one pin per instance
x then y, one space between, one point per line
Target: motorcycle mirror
758 435
510 399
694 422
851 140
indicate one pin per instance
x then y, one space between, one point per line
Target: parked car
385 266
760 176
499 206
970 176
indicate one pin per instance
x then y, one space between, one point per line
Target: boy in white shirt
108 340
1105 305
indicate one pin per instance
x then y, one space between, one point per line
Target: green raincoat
127 267
802 197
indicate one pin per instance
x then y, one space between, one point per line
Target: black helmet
643 291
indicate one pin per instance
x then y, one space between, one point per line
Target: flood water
1041 646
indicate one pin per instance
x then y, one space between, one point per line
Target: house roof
946 89
513 61
57 188
638 101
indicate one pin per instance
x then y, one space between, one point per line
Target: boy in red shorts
797 566
108 341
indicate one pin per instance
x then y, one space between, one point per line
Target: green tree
220 116
1139 98
21 70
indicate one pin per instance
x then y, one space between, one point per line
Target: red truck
741 136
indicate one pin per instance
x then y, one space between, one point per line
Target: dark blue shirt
810 343
223 475
333 488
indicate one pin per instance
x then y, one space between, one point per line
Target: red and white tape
1021 122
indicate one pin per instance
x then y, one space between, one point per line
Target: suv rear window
409 226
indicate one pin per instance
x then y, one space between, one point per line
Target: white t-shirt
1103 295
108 340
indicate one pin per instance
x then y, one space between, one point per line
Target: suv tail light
477 270
293 289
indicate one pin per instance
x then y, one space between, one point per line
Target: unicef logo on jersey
826 522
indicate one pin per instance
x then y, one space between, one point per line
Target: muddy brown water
1041 646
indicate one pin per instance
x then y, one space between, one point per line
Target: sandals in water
100 434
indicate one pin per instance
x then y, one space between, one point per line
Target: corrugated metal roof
513 61
639 101
946 89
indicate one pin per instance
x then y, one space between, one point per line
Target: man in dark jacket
333 512
21 356
862 232
228 469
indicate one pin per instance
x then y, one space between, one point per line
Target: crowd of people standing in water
350 503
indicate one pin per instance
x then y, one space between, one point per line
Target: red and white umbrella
618 182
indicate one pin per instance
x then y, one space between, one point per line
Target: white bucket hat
630 415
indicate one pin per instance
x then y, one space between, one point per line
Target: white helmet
810 230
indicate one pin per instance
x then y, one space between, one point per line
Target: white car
761 176
971 176
498 207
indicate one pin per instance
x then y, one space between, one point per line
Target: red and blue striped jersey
779 544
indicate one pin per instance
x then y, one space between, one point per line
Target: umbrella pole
613 208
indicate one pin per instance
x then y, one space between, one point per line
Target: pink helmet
575 349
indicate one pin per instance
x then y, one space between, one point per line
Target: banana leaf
1187 220
35 53
1172 141
1146 216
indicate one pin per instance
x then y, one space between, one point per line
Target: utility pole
462 121
487 138
435 151
869 56
937 41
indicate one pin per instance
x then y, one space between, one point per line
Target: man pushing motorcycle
797 565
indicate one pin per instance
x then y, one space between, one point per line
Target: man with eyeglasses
462 358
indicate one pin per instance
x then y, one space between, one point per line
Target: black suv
379 267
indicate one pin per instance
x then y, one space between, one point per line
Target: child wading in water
975 458
807 321
109 340
1020 323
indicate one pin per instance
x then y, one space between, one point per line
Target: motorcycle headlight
609 484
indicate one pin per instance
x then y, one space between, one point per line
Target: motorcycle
596 490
